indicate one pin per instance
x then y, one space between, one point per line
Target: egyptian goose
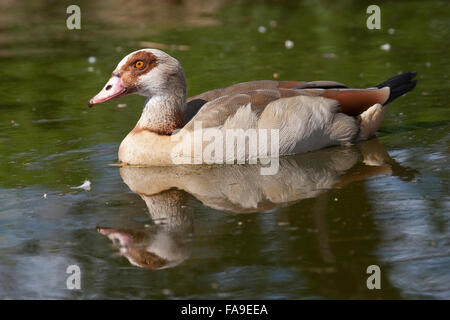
308 115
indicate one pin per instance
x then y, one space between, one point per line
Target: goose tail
399 85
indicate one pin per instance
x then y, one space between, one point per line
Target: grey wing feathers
220 103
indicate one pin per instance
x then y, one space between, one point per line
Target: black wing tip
399 85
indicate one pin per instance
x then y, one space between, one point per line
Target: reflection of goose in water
164 245
234 188
241 188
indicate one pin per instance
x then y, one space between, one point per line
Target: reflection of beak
123 238
114 88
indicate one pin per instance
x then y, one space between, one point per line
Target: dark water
310 231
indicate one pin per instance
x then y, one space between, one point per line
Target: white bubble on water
385 47
289 44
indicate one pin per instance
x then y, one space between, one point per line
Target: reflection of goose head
163 245
241 188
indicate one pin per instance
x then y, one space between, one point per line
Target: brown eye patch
137 64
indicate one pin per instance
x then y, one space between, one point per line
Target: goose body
305 116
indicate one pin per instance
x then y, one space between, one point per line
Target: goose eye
139 64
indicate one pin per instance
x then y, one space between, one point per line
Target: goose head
146 72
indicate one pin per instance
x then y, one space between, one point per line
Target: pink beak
114 88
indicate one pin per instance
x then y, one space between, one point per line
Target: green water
309 232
